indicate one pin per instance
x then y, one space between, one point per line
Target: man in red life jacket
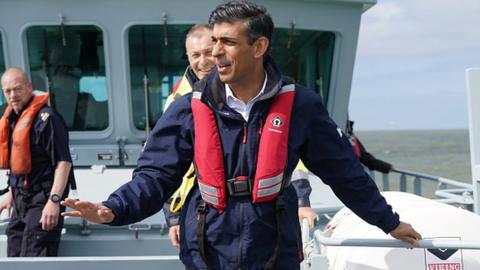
199 45
34 149
245 127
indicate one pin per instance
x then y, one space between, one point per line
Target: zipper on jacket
242 233
245 133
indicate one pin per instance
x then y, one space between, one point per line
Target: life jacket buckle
239 186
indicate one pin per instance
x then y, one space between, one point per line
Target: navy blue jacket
244 236
48 146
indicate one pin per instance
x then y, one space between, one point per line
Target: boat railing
314 259
435 187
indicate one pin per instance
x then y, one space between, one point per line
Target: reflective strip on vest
208 189
287 88
269 191
263 183
209 199
196 95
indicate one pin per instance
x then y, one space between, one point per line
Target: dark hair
257 21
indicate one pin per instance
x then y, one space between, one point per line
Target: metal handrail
434 178
393 243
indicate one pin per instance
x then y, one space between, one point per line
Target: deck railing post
386 182
403 182
417 186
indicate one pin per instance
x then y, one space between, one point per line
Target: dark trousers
24 232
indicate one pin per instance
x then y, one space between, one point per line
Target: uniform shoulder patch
44 116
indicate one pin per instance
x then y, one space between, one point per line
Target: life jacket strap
240 186
202 240
279 209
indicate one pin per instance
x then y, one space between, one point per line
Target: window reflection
304 55
70 63
163 64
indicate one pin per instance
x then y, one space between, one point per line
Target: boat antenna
145 84
62 29
290 35
165 29
46 65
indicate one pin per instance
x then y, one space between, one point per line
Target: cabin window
3 102
304 55
162 64
69 62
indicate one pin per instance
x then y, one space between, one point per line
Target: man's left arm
54 140
328 154
51 211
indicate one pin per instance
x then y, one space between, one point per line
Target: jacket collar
213 90
190 75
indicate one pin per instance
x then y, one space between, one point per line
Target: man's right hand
174 234
406 232
7 204
93 212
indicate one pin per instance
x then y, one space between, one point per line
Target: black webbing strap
202 241
5 190
279 208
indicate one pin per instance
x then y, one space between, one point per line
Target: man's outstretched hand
93 212
405 232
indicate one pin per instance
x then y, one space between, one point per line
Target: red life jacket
272 151
21 159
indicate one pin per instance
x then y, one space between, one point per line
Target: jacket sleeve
301 185
329 155
171 218
166 157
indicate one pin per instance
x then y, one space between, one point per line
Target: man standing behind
198 46
34 148
245 127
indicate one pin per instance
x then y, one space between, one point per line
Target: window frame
4 44
87 134
139 133
5 55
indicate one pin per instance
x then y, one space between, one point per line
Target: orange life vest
272 151
20 160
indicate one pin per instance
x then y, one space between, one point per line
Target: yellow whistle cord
178 198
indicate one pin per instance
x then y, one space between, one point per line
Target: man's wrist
55 198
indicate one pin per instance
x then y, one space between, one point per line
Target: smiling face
199 47
234 57
16 88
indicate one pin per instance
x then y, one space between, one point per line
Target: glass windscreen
305 56
69 63
158 54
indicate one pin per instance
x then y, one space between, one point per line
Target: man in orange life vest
245 127
34 148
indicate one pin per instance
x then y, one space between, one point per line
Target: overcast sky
411 61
